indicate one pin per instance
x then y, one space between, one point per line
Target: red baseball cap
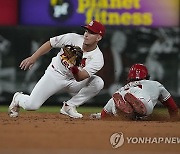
95 27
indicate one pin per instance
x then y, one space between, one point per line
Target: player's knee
98 83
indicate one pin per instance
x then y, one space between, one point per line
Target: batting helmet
137 72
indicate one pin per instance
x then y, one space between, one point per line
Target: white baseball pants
52 82
138 93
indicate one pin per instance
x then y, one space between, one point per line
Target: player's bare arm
79 75
28 62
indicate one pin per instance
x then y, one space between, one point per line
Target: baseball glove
73 54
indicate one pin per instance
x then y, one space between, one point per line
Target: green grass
55 109
158 113
81 109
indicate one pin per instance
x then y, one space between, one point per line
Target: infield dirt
53 133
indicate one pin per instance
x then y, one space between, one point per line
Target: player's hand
72 54
27 63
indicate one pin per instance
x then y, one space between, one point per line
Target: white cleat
95 116
70 111
13 110
62 110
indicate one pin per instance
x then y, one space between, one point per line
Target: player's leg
85 90
140 101
81 91
116 106
122 105
108 111
48 85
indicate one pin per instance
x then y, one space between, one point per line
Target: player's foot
70 111
13 110
122 105
137 104
95 116
62 110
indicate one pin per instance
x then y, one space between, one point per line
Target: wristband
74 70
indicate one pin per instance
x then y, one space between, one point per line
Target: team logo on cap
91 23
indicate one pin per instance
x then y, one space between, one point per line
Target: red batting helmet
137 72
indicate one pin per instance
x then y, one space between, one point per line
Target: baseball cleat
70 111
62 110
13 110
122 105
137 104
95 116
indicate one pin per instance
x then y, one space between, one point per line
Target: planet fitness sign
151 13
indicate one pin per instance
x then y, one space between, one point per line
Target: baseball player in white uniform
80 81
138 97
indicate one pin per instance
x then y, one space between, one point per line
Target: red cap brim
90 28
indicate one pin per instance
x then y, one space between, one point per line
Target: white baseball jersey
58 77
92 61
149 92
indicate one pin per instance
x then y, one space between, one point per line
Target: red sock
104 114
